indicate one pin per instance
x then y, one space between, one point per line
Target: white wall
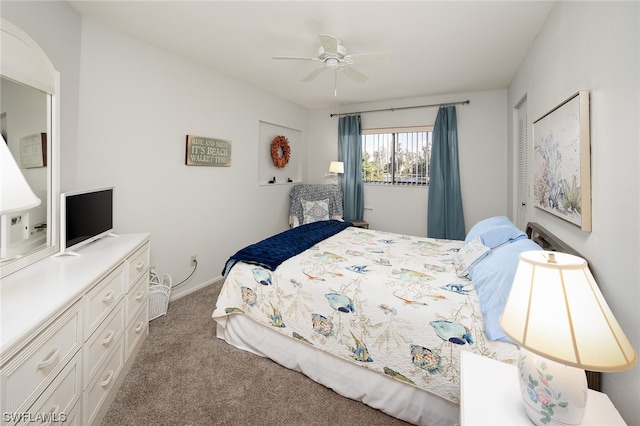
595 46
137 104
482 149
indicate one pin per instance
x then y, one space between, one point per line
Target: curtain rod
399 108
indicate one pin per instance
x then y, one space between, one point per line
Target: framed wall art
33 151
562 161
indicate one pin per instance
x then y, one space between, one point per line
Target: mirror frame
24 62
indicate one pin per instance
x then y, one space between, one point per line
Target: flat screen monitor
86 216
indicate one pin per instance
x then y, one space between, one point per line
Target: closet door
522 142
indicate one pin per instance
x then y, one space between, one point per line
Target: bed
378 317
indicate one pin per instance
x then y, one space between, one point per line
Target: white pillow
470 254
313 211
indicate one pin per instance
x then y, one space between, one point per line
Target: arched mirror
29 124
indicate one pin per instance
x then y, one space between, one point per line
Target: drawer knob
139 265
53 410
140 295
108 297
109 338
106 381
139 327
53 355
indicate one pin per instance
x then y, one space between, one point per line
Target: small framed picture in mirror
33 151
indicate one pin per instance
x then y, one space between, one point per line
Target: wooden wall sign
207 152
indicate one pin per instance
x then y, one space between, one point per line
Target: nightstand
358 223
490 395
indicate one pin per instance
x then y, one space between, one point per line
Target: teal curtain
350 153
445 218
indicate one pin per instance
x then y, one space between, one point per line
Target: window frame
394 131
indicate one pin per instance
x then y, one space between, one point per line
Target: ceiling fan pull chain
335 81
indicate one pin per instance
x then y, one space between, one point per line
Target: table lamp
15 193
336 167
557 314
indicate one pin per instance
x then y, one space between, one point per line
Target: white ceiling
437 47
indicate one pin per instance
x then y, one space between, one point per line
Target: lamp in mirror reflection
15 193
558 316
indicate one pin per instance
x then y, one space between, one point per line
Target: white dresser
70 329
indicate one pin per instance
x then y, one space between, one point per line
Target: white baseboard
183 290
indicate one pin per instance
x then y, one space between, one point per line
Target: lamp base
553 393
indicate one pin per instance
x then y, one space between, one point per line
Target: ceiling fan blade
354 74
314 74
329 43
362 58
295 58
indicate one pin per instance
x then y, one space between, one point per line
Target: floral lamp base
553 393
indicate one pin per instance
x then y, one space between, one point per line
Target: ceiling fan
333 55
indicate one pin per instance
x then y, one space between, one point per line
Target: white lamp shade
336 167
555 309
15 193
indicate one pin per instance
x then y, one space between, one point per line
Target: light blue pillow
495 231
492 278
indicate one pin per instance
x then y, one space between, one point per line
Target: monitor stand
63 252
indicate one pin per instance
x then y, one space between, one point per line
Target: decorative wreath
280 144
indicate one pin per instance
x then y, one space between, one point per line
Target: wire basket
159 292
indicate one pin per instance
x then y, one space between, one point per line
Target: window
396 156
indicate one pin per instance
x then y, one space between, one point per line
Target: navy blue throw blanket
271 252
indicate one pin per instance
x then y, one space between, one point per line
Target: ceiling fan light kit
339 54
333 55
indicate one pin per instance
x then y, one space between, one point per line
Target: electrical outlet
194 260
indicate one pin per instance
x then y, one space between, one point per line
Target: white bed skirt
391 396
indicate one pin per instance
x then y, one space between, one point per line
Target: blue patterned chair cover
315 192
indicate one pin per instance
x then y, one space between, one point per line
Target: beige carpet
184 375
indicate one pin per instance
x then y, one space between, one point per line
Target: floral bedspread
388 302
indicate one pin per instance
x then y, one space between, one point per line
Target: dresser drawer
102 341
101 300
74 417
101 385
136 298
70 418
56 403
138 265
136 330
33 369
